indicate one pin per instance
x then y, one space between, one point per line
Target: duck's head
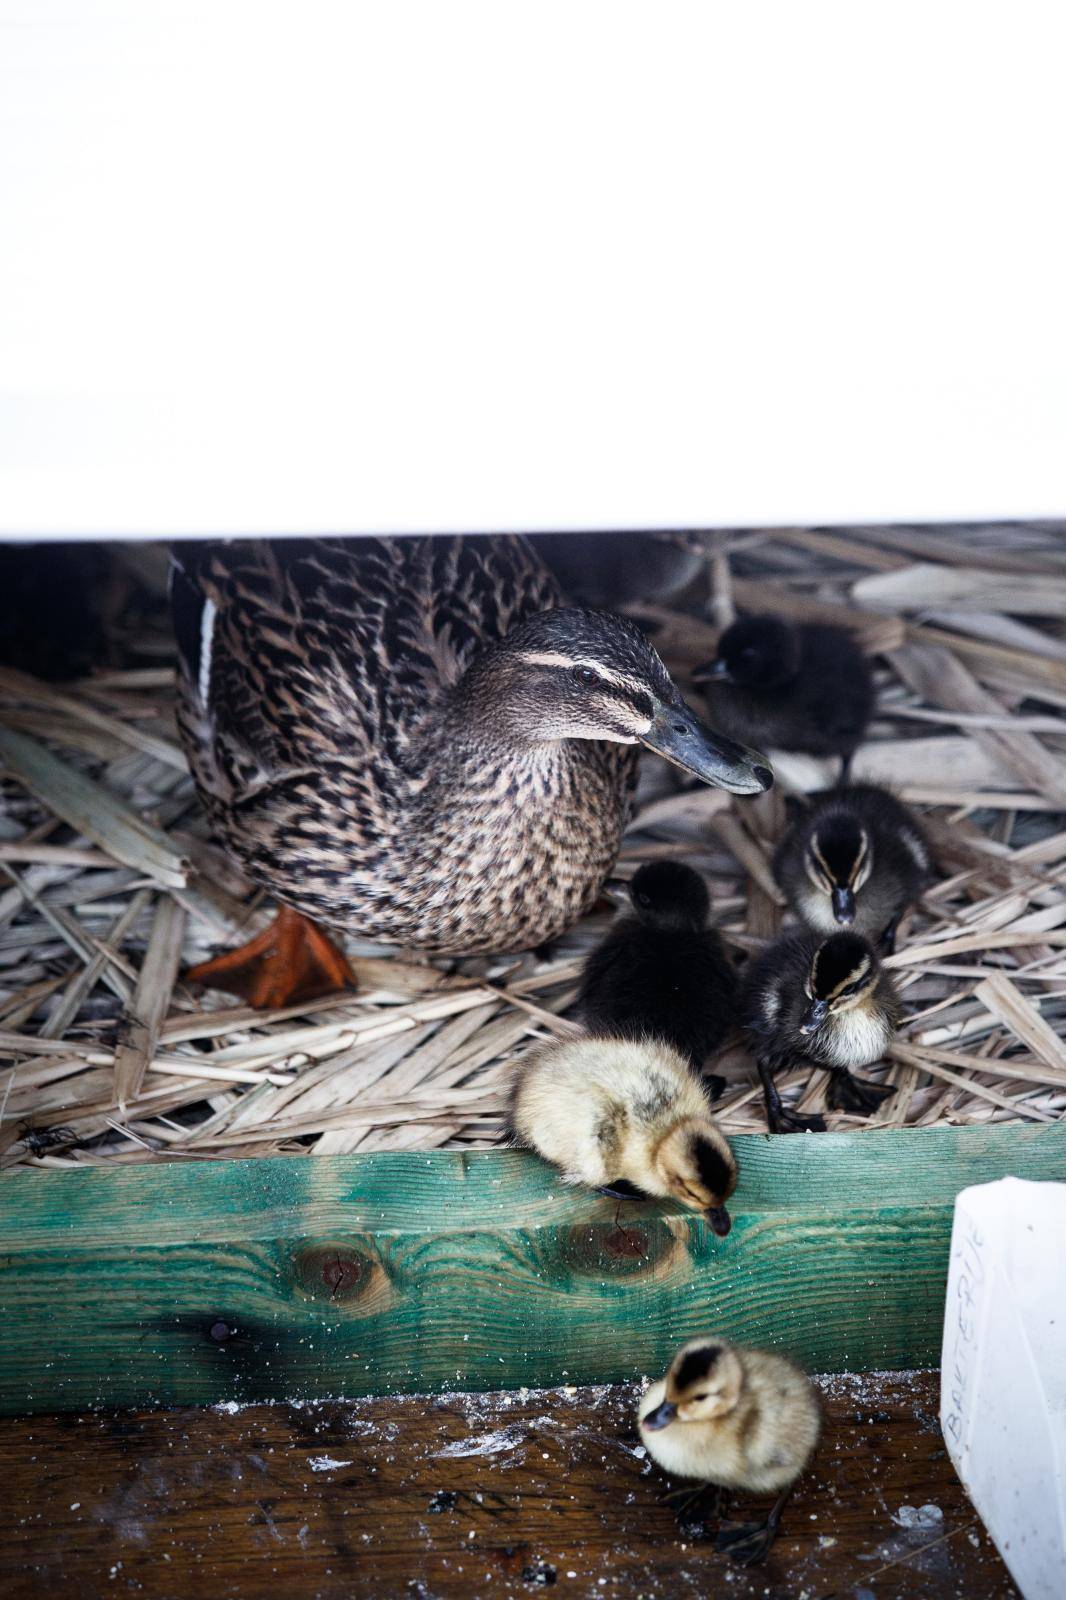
572 674
755 653
697 1167
704 1382
669 896
838 860
844 973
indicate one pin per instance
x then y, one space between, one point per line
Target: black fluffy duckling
661 973
625 1115
857 859
793 686
735 1419
825 1000
612 569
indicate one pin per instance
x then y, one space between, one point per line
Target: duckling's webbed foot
622 1189
779 1118
792 1122
848 1093
686 1495
695 1507
746 1543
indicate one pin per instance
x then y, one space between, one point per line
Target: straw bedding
109 885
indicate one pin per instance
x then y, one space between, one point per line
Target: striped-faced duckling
823 1000
415 740
733 1418
793 686
661 973
626 1116
856 859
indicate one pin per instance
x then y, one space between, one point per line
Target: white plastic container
1003 1373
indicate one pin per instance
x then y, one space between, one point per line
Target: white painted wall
554 264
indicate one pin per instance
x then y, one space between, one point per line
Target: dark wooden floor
482 1495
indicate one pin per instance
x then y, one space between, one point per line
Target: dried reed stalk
108 885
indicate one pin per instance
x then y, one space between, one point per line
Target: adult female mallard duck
417 741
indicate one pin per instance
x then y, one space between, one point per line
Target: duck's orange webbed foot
291 961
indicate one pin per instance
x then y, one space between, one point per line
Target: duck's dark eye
586 675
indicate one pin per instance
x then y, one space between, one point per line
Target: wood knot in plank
623 1249
342 1273
330 1272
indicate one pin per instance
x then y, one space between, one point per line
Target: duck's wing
295 652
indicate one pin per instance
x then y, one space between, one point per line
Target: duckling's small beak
679 735
814 1016
720 1220
844 906
715 671
660 1417
617 891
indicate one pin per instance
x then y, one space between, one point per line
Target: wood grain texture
459 1496
401 1271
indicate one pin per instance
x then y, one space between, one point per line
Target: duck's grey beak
660 1417
679 735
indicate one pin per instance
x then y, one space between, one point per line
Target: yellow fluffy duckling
625 1115
734 1419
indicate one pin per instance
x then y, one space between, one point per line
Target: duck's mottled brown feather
315 708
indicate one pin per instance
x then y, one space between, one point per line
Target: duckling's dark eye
748 653
586 675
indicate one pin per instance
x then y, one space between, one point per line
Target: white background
462 265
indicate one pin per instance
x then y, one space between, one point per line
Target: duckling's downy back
660 972
608 1109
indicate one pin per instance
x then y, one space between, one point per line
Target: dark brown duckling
823 1000
793 686
856 859
661 973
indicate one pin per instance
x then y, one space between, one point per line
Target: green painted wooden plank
350 1275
